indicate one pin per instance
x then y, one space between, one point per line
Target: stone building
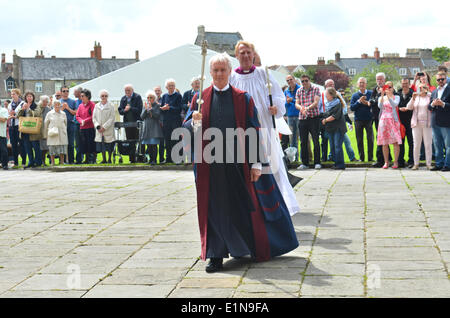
45 76
218 41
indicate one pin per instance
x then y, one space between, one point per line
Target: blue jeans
34 159
73 134
336 140
17 145
441 140
348 148
293 124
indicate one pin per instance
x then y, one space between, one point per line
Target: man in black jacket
188 95
405 118
131 108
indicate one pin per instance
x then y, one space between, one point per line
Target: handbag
402 127
53 132
30 125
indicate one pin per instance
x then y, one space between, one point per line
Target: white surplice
255 84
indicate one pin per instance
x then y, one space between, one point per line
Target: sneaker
318 167
303 167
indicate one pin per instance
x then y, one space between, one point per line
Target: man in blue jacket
291 111
440 122
360 105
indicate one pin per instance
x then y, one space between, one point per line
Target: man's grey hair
103 91
221 57
195 79
79 89
362 79
168 81
44 97
381 74
128 86
328 81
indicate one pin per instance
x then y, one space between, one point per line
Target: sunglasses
305 81
65 91
440 79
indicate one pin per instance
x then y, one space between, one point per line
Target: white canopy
181 64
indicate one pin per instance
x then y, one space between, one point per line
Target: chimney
321 61
201 33
98 51
337 57
3 67
53 57
113 57
92 54
377 54
364 56
137 55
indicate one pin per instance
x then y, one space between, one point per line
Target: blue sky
284 31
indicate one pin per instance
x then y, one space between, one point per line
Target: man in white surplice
253 80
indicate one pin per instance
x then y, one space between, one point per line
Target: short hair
244 43
79 88
328 81
56 102
362 79
381 74
44 97
405 79
443 68
16 91
87 93
441 73
195 79
103 91
151 93
168 81
221 57
128 86
65 86
305 76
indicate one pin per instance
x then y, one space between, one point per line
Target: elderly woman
104 118
55 131
421 124
389 124
44 103
84 116
152 132
334 123
31 141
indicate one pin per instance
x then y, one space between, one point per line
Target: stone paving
363 233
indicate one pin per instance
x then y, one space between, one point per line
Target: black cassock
229 221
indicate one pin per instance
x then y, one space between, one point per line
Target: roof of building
358 64
220 38
69 68
328 67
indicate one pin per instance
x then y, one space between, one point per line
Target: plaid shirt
306 98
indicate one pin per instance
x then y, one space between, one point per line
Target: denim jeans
336 141
17 145
348 148
34 159
441 140
73 134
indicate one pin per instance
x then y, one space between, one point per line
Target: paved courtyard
363 233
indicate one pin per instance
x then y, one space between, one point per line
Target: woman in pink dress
389 125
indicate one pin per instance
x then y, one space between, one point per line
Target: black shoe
377 165
445 169
28 167
215 265
436 169
410 165
401 165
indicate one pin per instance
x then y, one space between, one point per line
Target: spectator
292 112
389 124
171 108
406 93
444 69
334 123
440 107
84 116
131 108
360 105
16 142
307 101
58 95
45 107
104 119
162 148
422 78
188 95
421 124
31 141
152 132
4 117
376 94
70 107
55 131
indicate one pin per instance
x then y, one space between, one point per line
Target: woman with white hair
152 132
44 103
104 118
55 131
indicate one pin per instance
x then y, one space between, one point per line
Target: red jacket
85 112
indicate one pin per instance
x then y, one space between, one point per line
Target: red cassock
272 228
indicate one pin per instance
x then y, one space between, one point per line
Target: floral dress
388 128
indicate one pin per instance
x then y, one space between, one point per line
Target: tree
341 80
370 74
441 54
310 72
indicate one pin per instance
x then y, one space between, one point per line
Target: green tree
370 73
441 54
311 72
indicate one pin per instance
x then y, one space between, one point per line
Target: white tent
181 64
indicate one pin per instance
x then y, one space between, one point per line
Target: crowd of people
76 130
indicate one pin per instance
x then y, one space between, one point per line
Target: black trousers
306 127
168 127
152 150
132 133
324 137
4 152
360 125
401 157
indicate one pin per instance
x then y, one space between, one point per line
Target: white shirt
441 90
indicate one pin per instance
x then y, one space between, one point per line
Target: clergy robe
255 83
236 216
